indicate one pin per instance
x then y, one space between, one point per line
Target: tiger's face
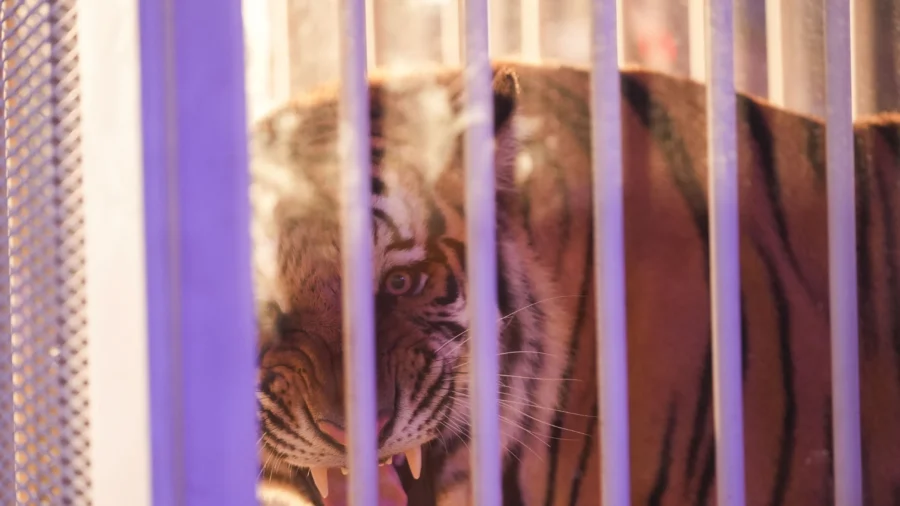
418 264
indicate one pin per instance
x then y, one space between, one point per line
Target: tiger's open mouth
412 456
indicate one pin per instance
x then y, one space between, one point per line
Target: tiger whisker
508 396
513 376
503 318
536 352
455 432
514 438
528 402
507 404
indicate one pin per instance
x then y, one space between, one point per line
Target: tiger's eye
398 283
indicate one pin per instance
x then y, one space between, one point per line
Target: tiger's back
784 292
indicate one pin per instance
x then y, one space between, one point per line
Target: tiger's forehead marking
295 174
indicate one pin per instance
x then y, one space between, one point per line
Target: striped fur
546 295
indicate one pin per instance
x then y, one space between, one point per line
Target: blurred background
292 45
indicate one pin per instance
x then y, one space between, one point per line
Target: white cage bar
481 259
356 249
842 261
725 275
609 255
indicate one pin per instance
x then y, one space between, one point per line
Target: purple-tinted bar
357 250
609 255
201 331
842 255
481 260
725 254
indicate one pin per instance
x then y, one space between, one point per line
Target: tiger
546 295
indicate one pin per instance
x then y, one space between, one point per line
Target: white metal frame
114 240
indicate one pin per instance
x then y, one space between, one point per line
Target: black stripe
429 358
706 479
656 120
815 149
458 249
866 307
789 420
378 187
430 395
265 388
701 414
401 245
450 328
891 137
451 290
665 460
574 342
512 491
827 433
442 411
437 224
389 426
762 135
587 448
380 215
271 421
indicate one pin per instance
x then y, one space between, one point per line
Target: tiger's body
546 294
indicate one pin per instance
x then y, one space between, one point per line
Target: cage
190 186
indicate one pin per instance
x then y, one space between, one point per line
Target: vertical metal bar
854 69
531 29
196 204
842 255
775 51
697 39
450 50
371 54
620 32
725 253
114 241
609 255
357 250
481 259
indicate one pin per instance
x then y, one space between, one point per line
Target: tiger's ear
506 96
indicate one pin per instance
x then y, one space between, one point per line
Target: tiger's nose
338 433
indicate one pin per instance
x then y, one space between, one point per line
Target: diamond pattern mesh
43 355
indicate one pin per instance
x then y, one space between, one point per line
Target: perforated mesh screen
43 364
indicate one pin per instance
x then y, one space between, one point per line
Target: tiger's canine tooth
320 478
414 459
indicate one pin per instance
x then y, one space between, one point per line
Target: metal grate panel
43 350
